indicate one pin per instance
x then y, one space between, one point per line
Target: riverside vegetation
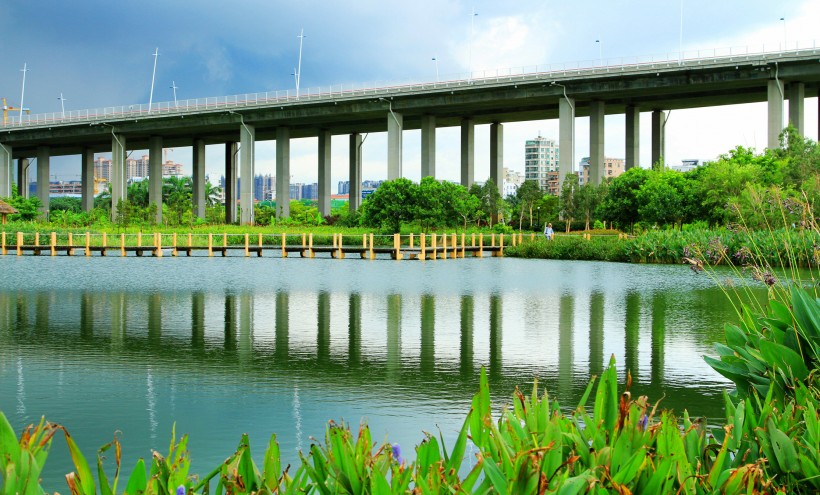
768 442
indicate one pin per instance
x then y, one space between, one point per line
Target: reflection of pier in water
137 328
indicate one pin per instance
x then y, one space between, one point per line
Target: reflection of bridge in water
115 324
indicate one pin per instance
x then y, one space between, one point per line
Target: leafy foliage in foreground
621 445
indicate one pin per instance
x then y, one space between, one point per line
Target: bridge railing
476 78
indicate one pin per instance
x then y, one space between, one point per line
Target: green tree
661 198
528 193
620 206
429 206
65 203
176 194
568 201
465 205
390 205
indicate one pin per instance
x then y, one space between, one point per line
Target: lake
225 346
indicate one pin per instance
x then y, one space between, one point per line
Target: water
225 346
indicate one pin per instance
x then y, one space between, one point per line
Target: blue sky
100 53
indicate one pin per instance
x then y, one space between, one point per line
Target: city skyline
208 61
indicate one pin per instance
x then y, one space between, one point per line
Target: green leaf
784 450
784 358
84 476
137 482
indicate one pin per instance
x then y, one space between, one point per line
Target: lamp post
153 75
785 37
435 59
62 103
600 52
680 37
23 94
298 73
472 26
174 88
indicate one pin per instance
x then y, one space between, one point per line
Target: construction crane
9 108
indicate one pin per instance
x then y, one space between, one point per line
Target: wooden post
224 244
396 246
19 244
444 246
513 239
501 248
210 244
411 240
139 239
54 243
433 254
532 236
284 251
158 245
372 253
481 245
472 241
423 253
311 254
304 245
492 243
70 244
174 252
453 246
334 241
340 246
88 243
3 243
364 246
36 238
122 244
104 244
520 238
247 245
463 243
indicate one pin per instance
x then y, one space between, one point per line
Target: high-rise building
613 167
134 168
512 180
296 191
344 187
310 191
541 163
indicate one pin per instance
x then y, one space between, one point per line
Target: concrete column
155 175
282 172
566 138
633 137
231 150
428 146
355 172
87 176
497 155
596 142
658 136
324 172
395 124
427 358
22 177
5 171
247 145
43 177
797 115
198 182
467 152
775 91
117 179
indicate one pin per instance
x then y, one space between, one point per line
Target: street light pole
23 94
680 38
435 59
153 75
62 103
600 52
472 26
299 66
174 87
785 37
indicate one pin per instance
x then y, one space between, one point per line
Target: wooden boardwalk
412 246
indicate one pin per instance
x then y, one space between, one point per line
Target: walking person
548 232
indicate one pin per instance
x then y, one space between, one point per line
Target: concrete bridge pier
658 136
467 152
776 96
155 175
566 138
22 176
5 171
596 333
427 357
87 179
395 125
282 172
596 142
393 336
198 159
282 323
466 352
119 191
324 171
497 156
247 153
428 146
496 323
323 328
797 96
231 149
354 329
633 137
355 163
43 177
